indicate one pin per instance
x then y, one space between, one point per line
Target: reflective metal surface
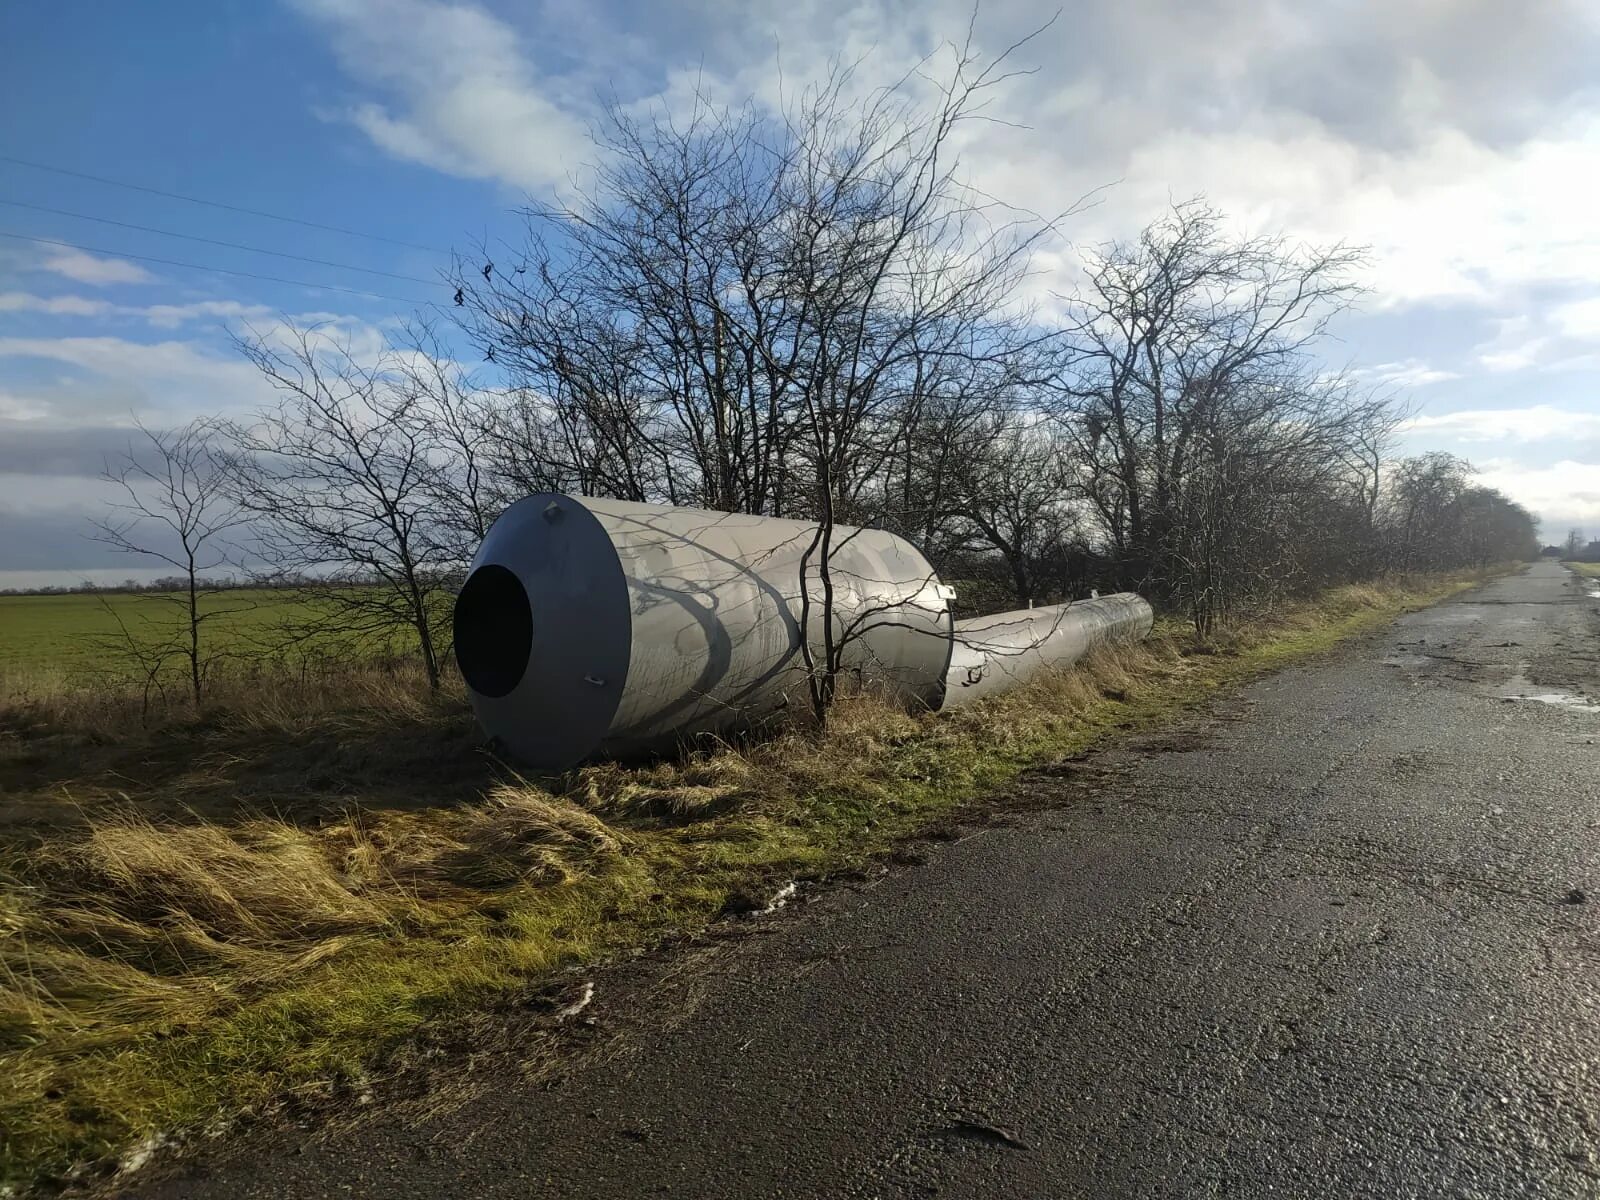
650 624
996 653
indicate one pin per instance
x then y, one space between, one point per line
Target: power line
171 262
251 212
193 237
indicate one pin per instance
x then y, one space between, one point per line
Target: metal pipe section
606 627
997 653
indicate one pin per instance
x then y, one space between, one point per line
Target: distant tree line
815 317
128 587
1576 548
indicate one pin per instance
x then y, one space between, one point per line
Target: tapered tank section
997 653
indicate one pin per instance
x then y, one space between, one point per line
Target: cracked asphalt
1339 937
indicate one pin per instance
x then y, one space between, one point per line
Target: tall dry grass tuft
259 885
518 833
703 784
39 701
305 747
355 695
135 921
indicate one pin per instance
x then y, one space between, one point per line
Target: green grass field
81 635
1587 570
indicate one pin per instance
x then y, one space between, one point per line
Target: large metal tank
997 653
601 626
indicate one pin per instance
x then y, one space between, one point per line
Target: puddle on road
1520 687
1561 700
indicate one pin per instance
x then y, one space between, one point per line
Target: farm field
80 636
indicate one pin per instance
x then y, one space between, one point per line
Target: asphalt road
1341 937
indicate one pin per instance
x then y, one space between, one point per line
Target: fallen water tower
594 627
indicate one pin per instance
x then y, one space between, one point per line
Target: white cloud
1449 220
468 98
110 354
1578 319
115 376
1449 138
17 407
1562 494
91 269
57 306
170 316
1515 346
363 342
1563 338
1536 423
163 316
1410 372
108 378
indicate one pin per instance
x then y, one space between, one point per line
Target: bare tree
1369 459
176 508
458 423
341 481
1425 508
749 314
1438 519
1015 493
1200 417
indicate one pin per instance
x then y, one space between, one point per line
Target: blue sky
1459 139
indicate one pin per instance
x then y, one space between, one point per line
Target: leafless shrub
176 508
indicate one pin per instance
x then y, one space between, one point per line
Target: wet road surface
1339 938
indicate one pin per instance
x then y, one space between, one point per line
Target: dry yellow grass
198 911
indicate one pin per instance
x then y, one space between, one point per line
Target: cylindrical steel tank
994 654
601 626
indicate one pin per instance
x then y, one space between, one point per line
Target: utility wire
171 262
193 237
252 212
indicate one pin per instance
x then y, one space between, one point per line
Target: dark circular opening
493 631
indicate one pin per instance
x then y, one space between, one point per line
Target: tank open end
493 631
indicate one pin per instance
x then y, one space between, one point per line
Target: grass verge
170 952
1587 569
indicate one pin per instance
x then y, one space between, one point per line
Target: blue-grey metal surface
571 685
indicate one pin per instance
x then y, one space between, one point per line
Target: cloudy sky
1458 139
